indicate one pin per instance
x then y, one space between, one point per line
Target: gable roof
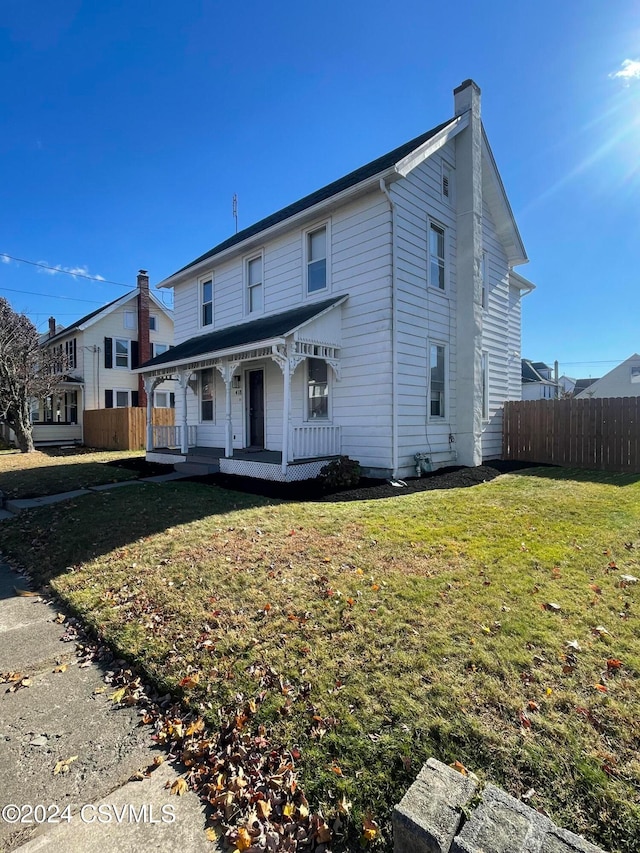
582 385
96 315
530 372
255 331
369 170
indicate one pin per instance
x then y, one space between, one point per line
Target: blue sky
126 128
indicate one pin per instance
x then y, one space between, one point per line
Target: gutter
394 333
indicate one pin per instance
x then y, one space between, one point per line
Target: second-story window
254 285
153 323
122 352
207 302
436 256
317 259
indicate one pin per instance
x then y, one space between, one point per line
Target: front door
255 408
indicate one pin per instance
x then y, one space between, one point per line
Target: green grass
48 472
418 623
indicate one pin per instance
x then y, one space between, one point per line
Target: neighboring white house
99 352
538 381
622 381
378 317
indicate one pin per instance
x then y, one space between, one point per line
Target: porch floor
211 455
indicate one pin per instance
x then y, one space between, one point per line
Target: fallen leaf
613 664
118 695
370 829
62 766
552 606
25 592
243 840
190 681
457 765
600 687
62 668
179 787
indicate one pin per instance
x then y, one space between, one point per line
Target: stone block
563 841
429 815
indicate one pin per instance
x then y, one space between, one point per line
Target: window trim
255 256
445 406
155 400
117 366
307 414
433 224
204 279
154 327
307 232
155 344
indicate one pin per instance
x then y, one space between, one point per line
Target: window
206 394
316 255
71 407
122 353
436 381
129 319
485 386
164 400
254 285
317 389
158 349
153 323
207 301
70 354
436 256
121 399
483 276
635 373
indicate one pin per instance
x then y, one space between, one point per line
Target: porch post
286 413
183 379
148 388
228 437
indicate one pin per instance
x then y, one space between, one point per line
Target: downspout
394 334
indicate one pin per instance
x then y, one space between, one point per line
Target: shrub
341 473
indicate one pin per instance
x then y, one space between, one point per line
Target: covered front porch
278 421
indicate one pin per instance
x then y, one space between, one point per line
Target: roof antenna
235 210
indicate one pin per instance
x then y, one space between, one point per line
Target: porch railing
313 440
171 436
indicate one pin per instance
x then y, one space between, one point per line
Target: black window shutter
108 399
135 360
75 354
134 399
172 400
108 352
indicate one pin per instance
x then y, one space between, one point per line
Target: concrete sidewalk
68 713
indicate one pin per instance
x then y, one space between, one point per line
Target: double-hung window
437 399
206 287
129 319
436 256
317 389
121 399
158 349
316 258
206 394
122 352
153 323
254 285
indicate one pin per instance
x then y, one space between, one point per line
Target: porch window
207 302
317 260
436 256
206 394
317 389
71 407
122 353
436 381
254 285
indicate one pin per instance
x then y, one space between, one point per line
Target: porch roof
257 332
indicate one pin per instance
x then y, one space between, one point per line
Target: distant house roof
531 372
350 180
79 324
582 385
264 329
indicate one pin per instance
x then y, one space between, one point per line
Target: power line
52 296
66 272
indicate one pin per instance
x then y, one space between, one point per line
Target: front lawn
491 625
56 469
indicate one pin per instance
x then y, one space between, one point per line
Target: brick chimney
144 347
52 326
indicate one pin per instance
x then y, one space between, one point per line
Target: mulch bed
454 477
140 464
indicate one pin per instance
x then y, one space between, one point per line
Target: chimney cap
465 84
142 272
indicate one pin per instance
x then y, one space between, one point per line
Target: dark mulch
140 464
454 477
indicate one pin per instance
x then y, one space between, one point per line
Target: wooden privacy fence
122 429
603 434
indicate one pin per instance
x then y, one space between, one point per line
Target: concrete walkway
64 713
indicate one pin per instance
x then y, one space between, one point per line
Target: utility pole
235 210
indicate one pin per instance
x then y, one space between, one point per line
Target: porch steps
197 469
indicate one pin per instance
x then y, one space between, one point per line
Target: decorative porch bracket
227 370
150 385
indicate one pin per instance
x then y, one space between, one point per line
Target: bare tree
27 372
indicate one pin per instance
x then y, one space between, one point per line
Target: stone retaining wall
446 812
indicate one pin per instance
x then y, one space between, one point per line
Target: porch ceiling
239 340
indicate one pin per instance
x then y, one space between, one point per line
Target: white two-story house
378 318
97 354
